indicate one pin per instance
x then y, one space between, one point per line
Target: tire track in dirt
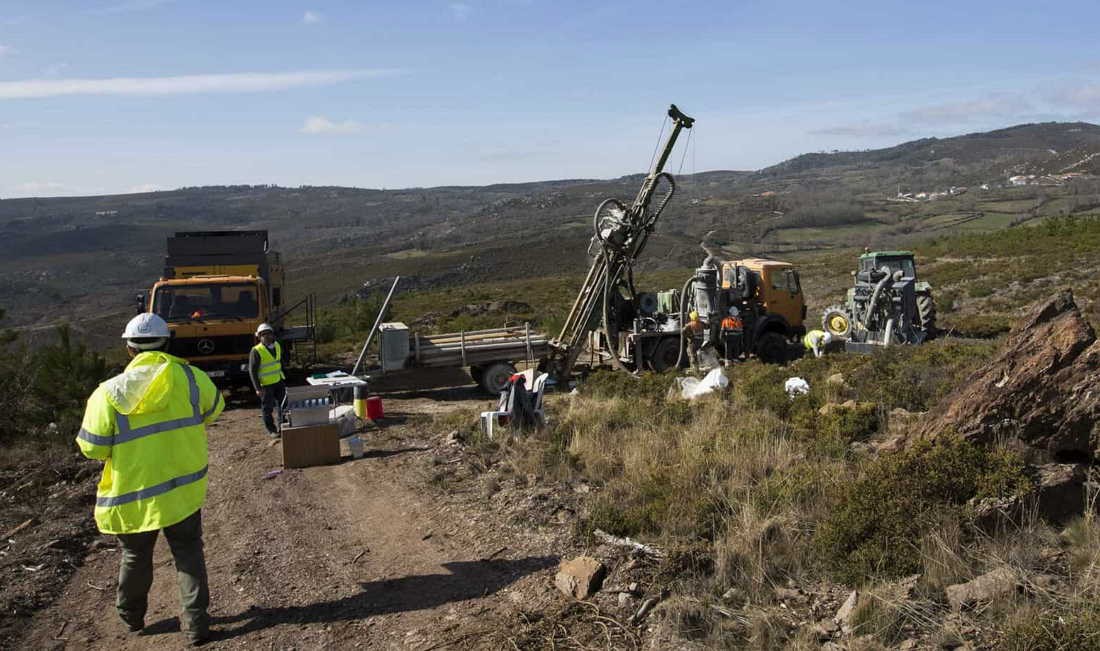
355 555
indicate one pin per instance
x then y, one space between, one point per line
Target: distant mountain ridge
67 257
1023 143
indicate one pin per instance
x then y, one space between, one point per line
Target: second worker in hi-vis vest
265 367
148 424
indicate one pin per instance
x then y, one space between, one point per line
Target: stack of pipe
477 346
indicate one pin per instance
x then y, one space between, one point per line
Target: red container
374 408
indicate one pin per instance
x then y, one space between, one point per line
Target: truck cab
776 288
212 319
216 289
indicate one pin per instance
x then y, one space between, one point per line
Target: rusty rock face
1042 388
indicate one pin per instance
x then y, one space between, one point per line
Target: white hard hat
828 338
734 311
146 326
264 327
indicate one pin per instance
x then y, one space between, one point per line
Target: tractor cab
871 264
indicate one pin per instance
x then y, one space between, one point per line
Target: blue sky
107 96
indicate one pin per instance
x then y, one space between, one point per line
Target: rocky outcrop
1001 582
1042 387
1060 493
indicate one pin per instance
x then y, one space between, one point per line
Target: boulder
1059 495
1040 387
580 577
844 615
987 587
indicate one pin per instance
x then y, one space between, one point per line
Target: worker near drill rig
816 341
694 330
148 424
733 329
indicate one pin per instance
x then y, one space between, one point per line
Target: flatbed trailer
489 356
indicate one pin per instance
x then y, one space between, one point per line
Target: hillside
827 520
82 259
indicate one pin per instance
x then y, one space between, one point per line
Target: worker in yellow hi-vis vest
265 367
148 424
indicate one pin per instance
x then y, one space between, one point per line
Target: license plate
215 374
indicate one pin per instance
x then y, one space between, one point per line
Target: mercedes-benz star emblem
205 346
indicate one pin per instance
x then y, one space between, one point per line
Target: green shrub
846 424
876 527
915 377
979 325
49 384
650 388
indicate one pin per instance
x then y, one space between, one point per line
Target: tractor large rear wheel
835 321
926 314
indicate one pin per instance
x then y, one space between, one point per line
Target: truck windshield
194 302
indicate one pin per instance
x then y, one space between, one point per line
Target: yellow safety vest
149 425
812 337
271 368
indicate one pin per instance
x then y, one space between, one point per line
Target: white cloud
998 105
54 69
128 6
461 10
39 188
245 82
1084 96
316 124
861 130
145 187
312 18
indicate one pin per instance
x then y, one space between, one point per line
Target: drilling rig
607 299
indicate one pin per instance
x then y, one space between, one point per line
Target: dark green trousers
135 575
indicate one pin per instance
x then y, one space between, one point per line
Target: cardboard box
312 445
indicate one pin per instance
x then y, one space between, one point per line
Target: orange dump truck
217 287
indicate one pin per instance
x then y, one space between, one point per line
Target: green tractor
887 305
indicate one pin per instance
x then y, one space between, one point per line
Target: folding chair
503 413
538 389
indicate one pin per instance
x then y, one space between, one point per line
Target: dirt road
402 549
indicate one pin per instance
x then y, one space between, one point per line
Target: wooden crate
311 445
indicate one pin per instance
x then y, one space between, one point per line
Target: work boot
134 625
199 639
274 435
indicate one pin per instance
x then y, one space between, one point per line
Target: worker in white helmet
265 368
148 424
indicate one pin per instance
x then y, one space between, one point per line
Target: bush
879 520
46 385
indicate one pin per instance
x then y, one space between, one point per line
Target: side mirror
140 299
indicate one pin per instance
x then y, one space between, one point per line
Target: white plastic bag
691 388
796 386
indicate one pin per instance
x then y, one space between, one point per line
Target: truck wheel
494 378
926 314
665 354
772 348
477 372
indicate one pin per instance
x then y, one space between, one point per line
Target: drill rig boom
620 236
